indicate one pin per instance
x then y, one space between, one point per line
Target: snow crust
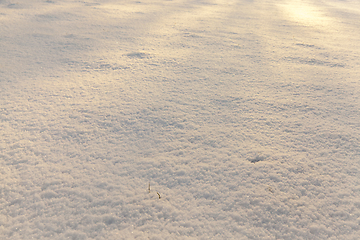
242 115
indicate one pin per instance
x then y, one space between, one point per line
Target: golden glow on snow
305 14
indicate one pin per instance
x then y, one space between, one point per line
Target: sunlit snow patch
305 14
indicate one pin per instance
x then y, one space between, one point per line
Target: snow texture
244 117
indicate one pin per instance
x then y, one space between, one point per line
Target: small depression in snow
256 159
137 55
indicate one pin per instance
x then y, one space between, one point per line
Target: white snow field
244 116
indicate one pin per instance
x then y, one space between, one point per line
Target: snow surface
244 115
